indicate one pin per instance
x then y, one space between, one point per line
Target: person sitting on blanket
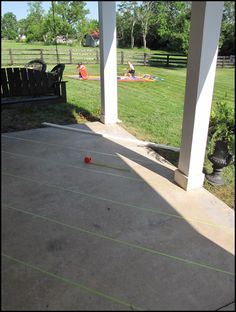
82 71
131 70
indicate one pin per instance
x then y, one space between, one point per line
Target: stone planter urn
220 159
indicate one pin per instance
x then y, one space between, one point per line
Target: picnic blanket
145 78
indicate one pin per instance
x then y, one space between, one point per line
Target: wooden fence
11 57
225 61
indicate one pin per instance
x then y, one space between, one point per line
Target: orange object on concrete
87 159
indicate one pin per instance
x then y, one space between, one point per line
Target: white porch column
108 67
202 57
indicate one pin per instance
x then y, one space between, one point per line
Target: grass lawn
11 44
150 111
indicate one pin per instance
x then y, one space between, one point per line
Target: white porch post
202 57
108 67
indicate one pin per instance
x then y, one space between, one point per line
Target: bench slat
44 82
38 79
24 77
31 82
11 82
17 82
4 84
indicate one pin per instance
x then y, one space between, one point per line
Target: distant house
92 39
63 40
21 38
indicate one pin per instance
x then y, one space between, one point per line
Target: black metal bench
28 86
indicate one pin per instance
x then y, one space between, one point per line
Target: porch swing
31 84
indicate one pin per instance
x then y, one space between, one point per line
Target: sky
19 8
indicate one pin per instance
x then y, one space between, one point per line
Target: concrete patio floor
116 236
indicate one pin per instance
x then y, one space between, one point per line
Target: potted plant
221 140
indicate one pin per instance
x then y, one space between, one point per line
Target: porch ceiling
116 236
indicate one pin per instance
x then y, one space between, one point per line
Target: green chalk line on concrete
148 161
113 167
152 251
80 167
115 202
68 281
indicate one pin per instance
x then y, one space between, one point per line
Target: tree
74 14
172 24
93 25
145 15
227 35
123 33
34 21
22 26
54 26
35 9
128 18
81 31
9 26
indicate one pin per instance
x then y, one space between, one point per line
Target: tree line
166 25
64 18
149 24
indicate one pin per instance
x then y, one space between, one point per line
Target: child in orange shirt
82 71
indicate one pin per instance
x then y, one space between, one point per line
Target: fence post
223 61
41 54
122 58
145 58
97 57
11 57
70 56
167 60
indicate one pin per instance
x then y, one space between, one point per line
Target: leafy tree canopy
9 26
153 24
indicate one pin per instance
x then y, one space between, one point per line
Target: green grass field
154 111
9 44
150 111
